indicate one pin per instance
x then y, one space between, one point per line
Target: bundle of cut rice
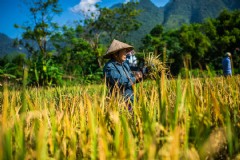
154 66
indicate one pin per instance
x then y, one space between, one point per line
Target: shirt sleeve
113 76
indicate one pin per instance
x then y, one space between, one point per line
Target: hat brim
109 54
115 47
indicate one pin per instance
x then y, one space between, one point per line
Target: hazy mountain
149 17
6 46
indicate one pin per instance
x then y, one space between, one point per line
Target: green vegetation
171 16
116 23
202 44
149 17
77 53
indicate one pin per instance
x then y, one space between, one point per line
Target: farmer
226 63
117 72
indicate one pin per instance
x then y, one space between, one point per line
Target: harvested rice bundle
154 66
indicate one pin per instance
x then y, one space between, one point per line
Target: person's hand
138 76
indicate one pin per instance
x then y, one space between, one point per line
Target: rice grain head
154 65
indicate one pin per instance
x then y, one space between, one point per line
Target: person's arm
136 76
113 76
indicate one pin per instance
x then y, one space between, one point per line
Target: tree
108 24
76 55
200 44
174 51
227 36
154 41
195 44
117 22
37 33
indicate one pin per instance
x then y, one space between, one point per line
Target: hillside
177 13
149 17
6 46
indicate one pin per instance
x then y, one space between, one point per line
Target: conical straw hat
116 46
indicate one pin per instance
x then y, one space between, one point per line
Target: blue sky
15 12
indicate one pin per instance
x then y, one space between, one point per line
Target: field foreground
173 119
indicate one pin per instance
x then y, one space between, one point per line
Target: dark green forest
66 55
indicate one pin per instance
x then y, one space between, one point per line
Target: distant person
226 64
117 72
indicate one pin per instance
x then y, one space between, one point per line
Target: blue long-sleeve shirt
119 74
226 63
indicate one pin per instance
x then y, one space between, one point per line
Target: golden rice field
173 119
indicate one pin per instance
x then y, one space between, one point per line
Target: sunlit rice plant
173 119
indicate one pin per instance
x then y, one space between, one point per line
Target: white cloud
126 1
86 7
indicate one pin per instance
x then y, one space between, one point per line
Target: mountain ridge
6 45
176 13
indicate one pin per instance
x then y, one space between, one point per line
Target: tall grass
173 119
